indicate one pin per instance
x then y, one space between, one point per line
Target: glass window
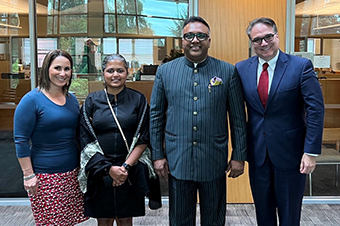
162 27
52 7
49 25
72 17
314 45
126 6
169 9
110 23
167 20
109 6
73 7
44 46
142 31
317 30
9 23
325 24
315 17
109 45
14 71
142 51
127 24
331 47
73 24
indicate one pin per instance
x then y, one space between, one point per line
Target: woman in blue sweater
45 123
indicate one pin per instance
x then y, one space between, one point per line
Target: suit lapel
281 66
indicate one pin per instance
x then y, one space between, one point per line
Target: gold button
195 143
194 128
195 112
195 98
195 71
195 84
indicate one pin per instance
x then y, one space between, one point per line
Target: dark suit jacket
292 122
192 118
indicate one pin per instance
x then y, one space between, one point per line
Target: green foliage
128 24
68 44
79 87
176 30
144 27
69 5
15 67
14 83
81 68
173 55
73 24
126 6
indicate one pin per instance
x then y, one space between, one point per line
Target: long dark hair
44 78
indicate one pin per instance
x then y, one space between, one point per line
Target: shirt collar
271 62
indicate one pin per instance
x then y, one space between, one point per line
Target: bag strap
87 120
137 134
117 122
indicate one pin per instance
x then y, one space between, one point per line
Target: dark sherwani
192 118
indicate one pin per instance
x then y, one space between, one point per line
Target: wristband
126 166
29 177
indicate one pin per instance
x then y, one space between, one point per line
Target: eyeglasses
200 36
267 38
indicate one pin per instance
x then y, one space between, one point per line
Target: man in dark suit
190 102
285 123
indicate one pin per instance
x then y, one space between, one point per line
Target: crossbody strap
117 122
137 134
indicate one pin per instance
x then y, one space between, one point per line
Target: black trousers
183 200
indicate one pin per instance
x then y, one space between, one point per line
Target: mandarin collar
119 95
201 64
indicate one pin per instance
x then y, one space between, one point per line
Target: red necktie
262 87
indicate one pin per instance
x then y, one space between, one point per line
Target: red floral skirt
59 200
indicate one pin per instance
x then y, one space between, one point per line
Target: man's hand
236 168
308 164
161 168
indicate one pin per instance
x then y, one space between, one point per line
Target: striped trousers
183 200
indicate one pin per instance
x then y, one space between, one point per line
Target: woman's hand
31 185
118 174
31 182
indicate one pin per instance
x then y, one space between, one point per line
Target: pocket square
216 81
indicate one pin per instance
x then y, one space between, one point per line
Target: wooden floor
237 215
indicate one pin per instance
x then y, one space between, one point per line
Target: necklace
50 95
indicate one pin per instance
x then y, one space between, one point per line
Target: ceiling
20 6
